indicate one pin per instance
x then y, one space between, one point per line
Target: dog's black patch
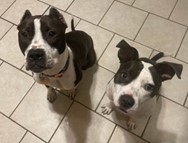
127 72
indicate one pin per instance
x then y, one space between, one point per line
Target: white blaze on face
135 88
39 43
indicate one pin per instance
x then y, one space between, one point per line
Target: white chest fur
66 82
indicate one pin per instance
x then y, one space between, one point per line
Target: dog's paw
106 109
131 125
51 96
72 93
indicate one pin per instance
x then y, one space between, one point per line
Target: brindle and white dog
56 58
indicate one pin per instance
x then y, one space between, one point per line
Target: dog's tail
157 57
72 24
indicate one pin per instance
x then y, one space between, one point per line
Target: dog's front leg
51 94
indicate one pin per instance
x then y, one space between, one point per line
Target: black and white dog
55 58
136 82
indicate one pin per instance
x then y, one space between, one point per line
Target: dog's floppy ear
26 15
167 70
126 52
54 13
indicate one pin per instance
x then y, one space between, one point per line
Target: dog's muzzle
126 102
36 60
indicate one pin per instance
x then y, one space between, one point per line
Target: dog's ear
54 13
167 70
26 15
126 52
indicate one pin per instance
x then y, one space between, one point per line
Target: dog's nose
126 101
36 54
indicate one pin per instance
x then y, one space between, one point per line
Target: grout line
172 101
106 69
106 48
145 126
151 54
23 136
112 133
186 100
133 3
15 67
61 121
8 8
172 10
36 136
141 26
7 32
1 63
181 43
9 21
46 10
69 5
22 126
105 13
22 100
130 132
100 101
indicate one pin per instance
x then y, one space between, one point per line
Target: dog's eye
124 75
24 34
51 33
149 87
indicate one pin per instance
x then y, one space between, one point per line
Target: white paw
131 125
51 96
106 109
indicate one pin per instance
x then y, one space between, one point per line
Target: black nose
126 101
36 54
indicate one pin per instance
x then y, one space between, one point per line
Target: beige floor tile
4 5
182 53
83 126
15 13
112 50
168 124
68 19
59 3
38 115
180 12
155 33
5 26
159 7
93 85
29 138
123 19
11 51
130 2
121 119
100 36
14 85
10 132
122 136
170 89
91 10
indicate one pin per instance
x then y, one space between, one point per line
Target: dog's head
42 39
139 79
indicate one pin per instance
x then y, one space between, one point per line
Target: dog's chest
67 80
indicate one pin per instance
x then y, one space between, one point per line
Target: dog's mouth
36 68
122 110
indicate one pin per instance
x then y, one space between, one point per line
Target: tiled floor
149 25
